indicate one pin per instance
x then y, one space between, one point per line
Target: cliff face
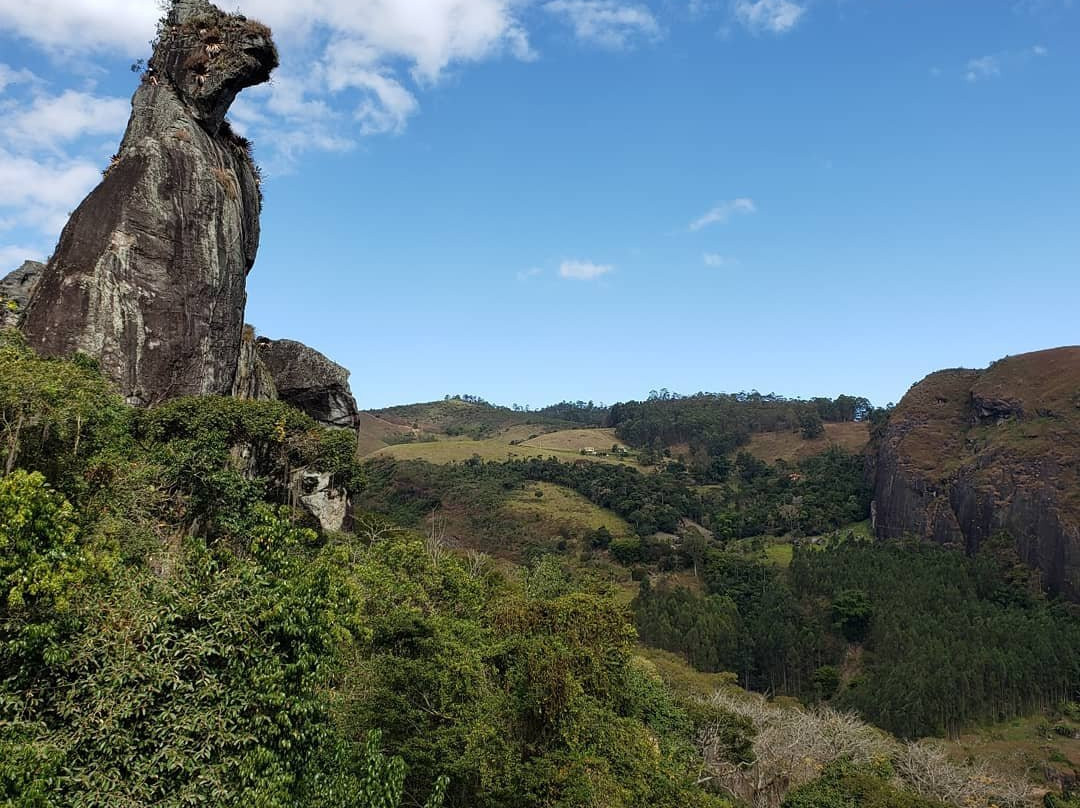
968 453
15 291
309 381
149 275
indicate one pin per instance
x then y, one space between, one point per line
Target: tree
810 424
852 612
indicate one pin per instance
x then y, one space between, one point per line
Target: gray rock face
317 495
15 291
310 382
968 453
253 380
149 275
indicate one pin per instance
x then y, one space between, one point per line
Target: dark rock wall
969 453
15 291
310 381
149 275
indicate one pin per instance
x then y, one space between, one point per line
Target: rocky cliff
309 381
149 275
15 291
968 453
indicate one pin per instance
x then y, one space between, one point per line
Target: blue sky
533 200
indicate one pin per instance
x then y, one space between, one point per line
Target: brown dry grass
792 447
228 182
574 440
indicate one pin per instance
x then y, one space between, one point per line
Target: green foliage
846 785
207 683
810 425
524 697
41 567
826 680
382 779
851 613
945 646
716 424
706 629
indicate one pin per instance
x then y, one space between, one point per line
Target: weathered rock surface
317 495
968 453
149 275
15 291
253 380
310 381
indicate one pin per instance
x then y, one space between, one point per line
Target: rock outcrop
316 494
969 453
253 380
149 275
15 291
309 381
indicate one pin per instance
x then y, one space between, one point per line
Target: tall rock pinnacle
149 275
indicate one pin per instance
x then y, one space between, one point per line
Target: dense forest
944 640
716 424
745 498
173 632
919 639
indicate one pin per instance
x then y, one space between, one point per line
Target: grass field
574 440
375 433
1024 747
450 450
562 504
792 447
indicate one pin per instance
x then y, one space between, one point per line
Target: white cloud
532 272
993 65
717 260
50 120
583 270
39 193
608 23
724 211
774 16
347 61
984 67
9 76
83 26
11 257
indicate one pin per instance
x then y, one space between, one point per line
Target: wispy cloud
985 67
994 64
583 270
11 257
724 211
718 260
9 76
39 191
608 23
531 272
50 120
772 16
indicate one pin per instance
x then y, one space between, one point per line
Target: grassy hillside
456 416
792 447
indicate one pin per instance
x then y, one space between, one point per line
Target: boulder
149 277
316 493
310 381
15 291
